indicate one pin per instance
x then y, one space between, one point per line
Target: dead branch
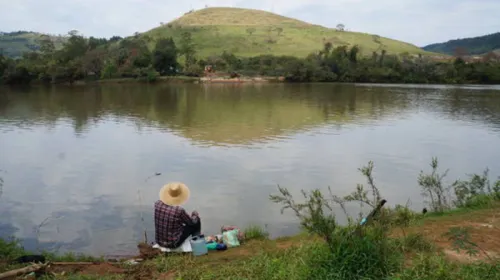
21 271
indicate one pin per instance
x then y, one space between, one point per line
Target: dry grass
236 16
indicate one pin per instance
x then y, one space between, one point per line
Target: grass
255 232
437 267
247 32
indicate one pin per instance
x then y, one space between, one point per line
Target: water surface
78 161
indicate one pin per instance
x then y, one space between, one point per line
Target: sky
420 22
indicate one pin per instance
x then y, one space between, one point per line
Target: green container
212 246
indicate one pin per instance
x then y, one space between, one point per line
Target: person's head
174 194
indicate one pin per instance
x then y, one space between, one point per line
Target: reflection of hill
235 114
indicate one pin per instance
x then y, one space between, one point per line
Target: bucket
199 246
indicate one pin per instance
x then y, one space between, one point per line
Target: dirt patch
463 257
88 269
147 252
285 245
483 230
141 272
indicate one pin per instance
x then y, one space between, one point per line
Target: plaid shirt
169 223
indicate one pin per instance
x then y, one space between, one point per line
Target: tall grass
255 232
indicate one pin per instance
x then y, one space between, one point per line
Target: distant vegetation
14 44
467 46
208 38
243 32
92 59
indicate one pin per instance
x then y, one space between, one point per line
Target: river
78 163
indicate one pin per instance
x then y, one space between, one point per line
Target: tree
3 64
231 61
353 54
74 47
96 42
93 62
340 27
73 33
250 31
382 57
115 39
327 47
165 56
279 30
187 48
46 45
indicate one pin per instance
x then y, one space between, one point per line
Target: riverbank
181 80
426 252
457 237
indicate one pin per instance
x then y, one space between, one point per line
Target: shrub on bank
367 251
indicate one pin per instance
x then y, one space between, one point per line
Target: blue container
199 246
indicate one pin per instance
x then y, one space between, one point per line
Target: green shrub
109 70
476 192
152 75
350 252
496 190
433 188
10 249
415 242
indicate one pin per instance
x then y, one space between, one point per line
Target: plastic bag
241 234
230 238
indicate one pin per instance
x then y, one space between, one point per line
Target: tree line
145 58
471 46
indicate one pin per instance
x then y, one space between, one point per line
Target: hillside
475 45
247 32
14 44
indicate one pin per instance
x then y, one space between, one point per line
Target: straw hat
174 194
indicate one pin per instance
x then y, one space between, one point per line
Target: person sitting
173 225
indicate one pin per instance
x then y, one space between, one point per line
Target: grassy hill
14 44
475 45
247 32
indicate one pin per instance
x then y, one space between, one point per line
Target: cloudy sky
416 21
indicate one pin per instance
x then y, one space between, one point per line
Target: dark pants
193 230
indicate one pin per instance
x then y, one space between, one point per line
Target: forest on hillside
83 58
467 46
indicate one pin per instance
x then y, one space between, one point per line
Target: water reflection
77 157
